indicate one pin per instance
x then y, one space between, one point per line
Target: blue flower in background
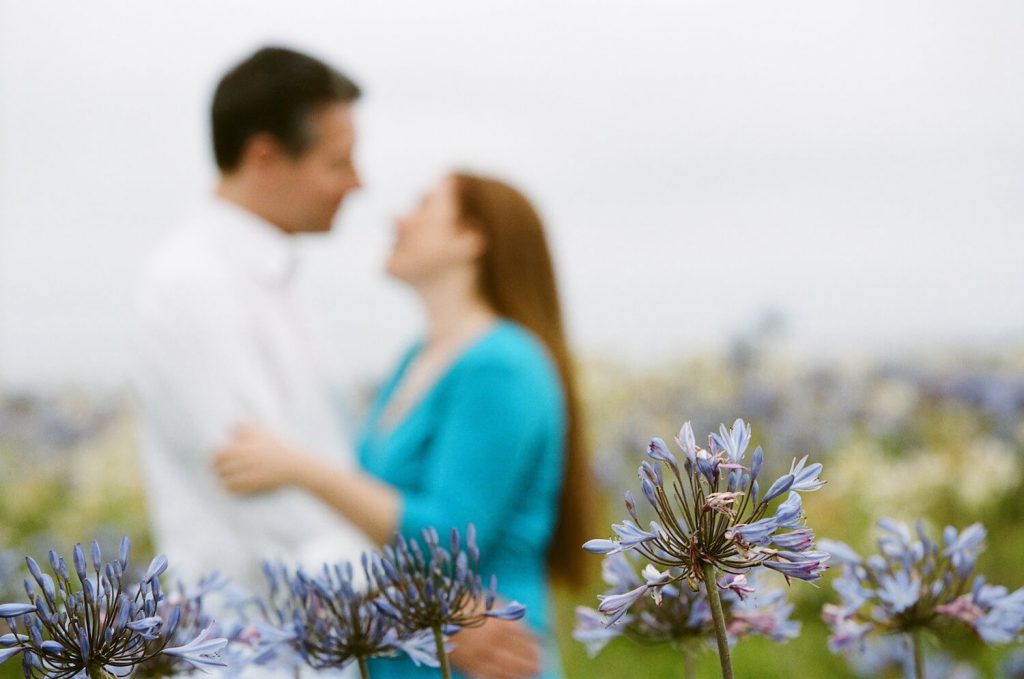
916 584
682 617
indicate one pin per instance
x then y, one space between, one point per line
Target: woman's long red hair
517 278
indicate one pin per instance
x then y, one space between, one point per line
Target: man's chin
313 229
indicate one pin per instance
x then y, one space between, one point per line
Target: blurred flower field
937 437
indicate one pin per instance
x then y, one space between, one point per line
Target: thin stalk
689 668
442 656
719 618
364 671
915 638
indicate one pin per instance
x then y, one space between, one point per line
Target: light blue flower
797 540
630 535
757 533
781 485
602 546
963 548
734 441
688 444
805 480
682 617
15 610
202 651
899 590
1003 622
807 569
591 630
765 613
914 584
616 605
660 452
790 513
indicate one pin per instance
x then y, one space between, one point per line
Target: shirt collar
254 243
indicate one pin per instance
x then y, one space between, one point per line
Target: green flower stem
442 656
719 617
689 670
364 671
918 654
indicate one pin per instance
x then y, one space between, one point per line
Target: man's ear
261 151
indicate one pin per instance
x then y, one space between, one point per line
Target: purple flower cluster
436 588
711 513
193 618
915 583
683 617
102 626
326 621
411 599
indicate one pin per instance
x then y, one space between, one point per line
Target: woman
479 421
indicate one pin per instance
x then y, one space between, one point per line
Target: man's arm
195 370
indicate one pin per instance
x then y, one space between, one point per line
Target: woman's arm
256 461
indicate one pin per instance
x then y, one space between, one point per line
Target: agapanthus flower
436 589
710 512
330 622
915 584
682 617
713 519
104 626
195 617
890 656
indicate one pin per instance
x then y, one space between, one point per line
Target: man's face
311 187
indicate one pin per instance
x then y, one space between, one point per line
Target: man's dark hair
273 91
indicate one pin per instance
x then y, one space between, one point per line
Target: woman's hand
255 461
498 649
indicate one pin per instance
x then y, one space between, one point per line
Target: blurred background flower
946 458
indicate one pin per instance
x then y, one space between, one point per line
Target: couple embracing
244 454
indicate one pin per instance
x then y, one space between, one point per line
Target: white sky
858 166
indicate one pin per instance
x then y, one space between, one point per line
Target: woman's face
429 241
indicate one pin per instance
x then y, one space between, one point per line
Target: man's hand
498 649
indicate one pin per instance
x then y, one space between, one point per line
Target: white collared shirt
220 343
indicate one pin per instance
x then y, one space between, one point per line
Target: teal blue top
485 446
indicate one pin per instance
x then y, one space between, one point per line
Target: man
221 344
220 340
